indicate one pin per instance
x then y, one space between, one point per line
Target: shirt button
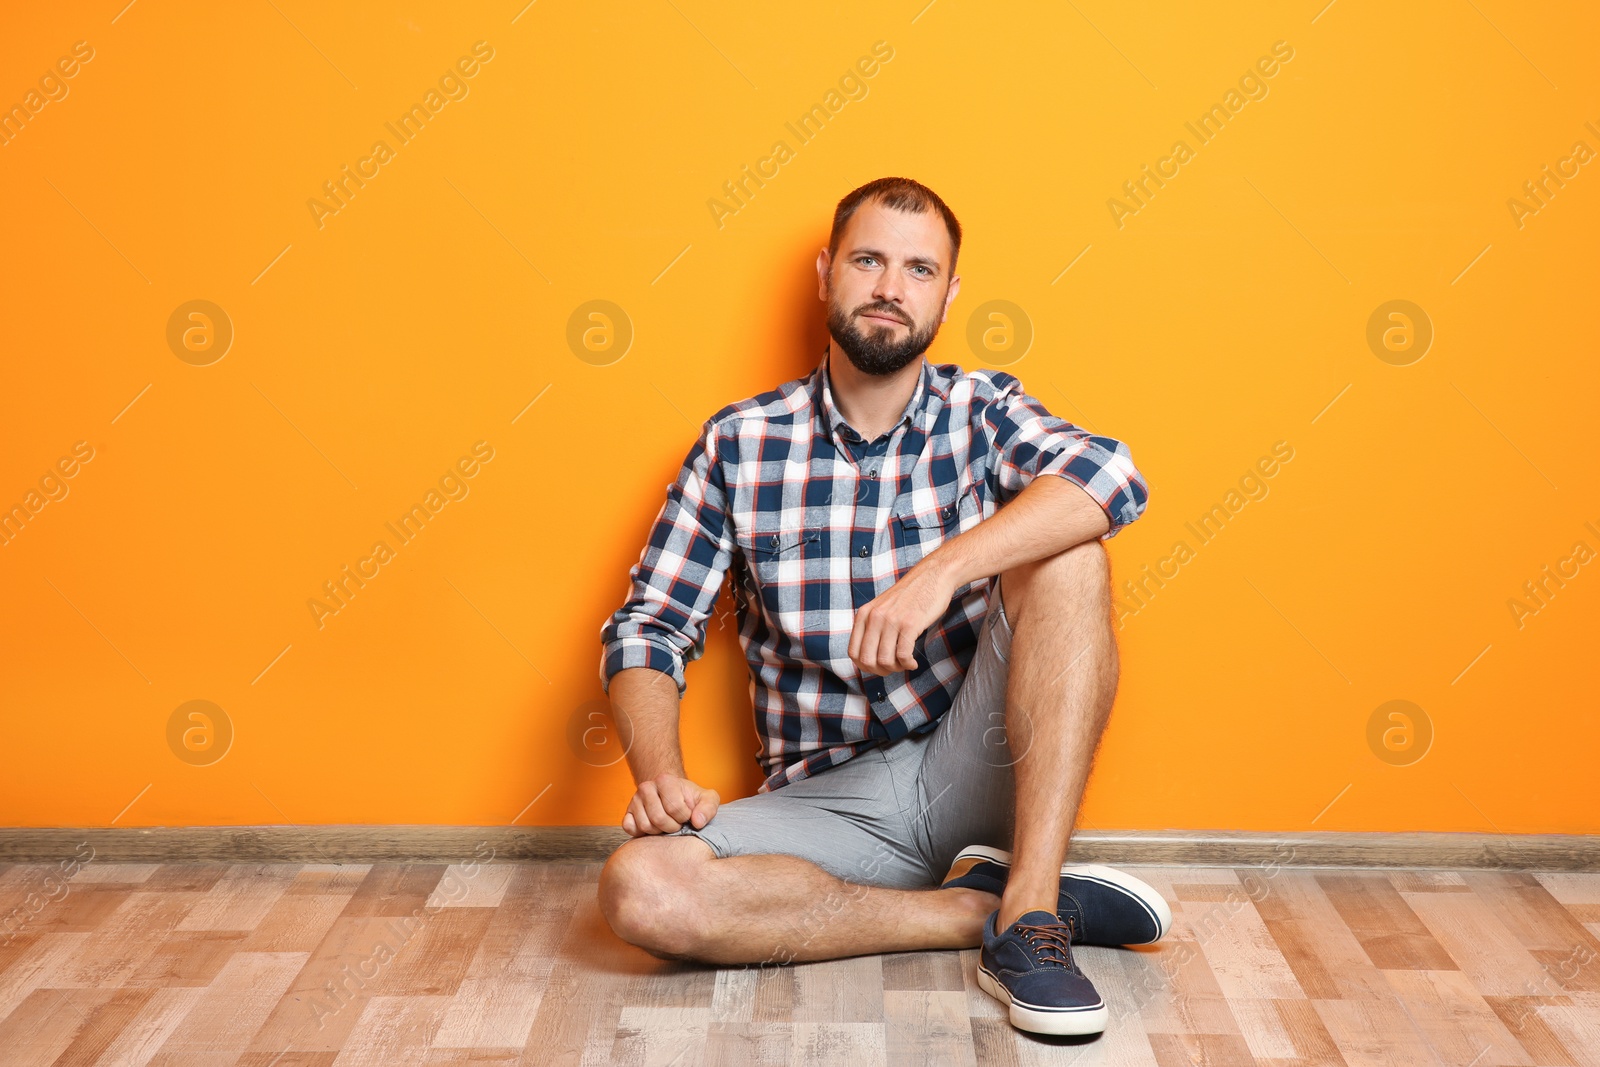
774 541
863 551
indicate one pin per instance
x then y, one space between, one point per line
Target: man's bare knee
649 894
1074 578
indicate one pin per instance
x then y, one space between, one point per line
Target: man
914 721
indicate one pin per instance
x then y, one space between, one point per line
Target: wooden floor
273 964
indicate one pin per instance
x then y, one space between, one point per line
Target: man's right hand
663 804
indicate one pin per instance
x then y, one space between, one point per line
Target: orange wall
375 346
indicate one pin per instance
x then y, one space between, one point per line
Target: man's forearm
644 705
1050 515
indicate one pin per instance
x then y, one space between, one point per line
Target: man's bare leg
1061 681
672 897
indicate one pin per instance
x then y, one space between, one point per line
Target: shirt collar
833 419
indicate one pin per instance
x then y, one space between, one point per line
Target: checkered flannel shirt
811 522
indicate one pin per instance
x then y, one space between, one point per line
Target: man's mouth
881 317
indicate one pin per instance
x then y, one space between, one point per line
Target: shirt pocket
929 517
778 557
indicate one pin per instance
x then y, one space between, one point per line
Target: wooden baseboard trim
1436 851
592 844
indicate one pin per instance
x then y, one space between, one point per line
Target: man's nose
889 290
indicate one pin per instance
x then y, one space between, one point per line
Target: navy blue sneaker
1029 967
1106 906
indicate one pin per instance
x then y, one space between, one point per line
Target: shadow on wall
716 720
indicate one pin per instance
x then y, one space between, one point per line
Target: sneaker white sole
1037 1020
1142 891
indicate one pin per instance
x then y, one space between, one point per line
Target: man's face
889 288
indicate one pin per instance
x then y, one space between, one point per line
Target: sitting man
914 721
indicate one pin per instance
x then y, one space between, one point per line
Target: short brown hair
900 194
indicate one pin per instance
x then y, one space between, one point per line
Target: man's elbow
1125 507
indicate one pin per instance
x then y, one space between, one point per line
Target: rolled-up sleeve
674 586
1028 441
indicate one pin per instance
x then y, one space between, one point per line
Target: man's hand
888 626
663 804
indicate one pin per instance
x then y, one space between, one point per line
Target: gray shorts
896 814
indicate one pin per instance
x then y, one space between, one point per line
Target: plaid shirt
813 522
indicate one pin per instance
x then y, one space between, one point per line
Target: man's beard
873 349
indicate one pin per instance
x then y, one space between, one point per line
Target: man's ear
950 297
824 264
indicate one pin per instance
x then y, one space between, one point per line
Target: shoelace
1049 941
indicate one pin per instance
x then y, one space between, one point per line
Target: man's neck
871 403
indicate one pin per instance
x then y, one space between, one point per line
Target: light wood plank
40 963
80 908
219 1027
341 879
45 1025
1479 944
1428 882
469 885
659 1036
118 873
1571 888
927 1027
104 1014
1215 1050
839 991
1243 955
1374 1033
1125 1042
926 971
1327 958
1577 1026
126 939
395 889
185 877
1263 1027
188 958
1568 952
298 921
747 1044
1191 1000
733 996
1389 931
840 1044
436 950
393 1031
327 995
144 1034
1521 1018
497 1011
1455 1020
1313 1045
577 1018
